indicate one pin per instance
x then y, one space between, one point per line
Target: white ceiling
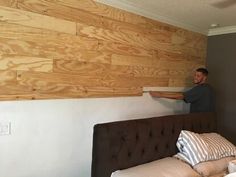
194 15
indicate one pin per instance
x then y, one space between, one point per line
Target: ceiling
194 15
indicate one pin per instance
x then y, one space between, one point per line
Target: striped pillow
195 148
218 146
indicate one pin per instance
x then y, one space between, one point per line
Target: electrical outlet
5 128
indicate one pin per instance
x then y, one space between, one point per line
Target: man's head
200 76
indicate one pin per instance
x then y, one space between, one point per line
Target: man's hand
170 95
155 94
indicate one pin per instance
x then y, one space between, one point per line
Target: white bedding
167 167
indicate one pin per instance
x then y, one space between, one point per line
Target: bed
124 144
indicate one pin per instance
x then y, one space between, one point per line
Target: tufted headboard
123 144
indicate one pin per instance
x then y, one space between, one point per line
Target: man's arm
170 95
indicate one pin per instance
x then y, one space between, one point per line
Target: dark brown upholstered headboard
123 144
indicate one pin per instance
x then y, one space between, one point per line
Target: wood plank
183 72
14 97
60 92
192 42
38 79
131 29
175 56
190 51
116 14
93 56
84 92
92 13
24 63
191 65
53 49
20 40
97 69
55 9
190 39
81 68
13 88
26 18
133 39
139 71
7 77
131 60
103 10
10 3
80 11
123 49
178 71
15 31
180 82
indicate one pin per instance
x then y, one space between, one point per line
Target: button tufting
167 146
156 148
162 132
113 157
150 134
129 154
137 137
123 138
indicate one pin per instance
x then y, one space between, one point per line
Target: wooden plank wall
79 48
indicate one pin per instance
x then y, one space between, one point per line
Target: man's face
199 78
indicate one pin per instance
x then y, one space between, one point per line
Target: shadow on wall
173 104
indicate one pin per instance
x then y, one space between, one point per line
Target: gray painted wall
221 63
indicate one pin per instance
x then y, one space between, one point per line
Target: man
200 96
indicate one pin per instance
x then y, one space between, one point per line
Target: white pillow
232 166
222 174
167 167
213 167
196 148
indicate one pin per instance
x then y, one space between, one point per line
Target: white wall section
53 138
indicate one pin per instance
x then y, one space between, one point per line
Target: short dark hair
203 71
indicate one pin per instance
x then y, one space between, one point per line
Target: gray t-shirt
201 98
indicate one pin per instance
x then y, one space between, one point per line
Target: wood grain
39 79
124 49
81 49
24 63
73 92
16 16
7 77
134 38
27 41
99 69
